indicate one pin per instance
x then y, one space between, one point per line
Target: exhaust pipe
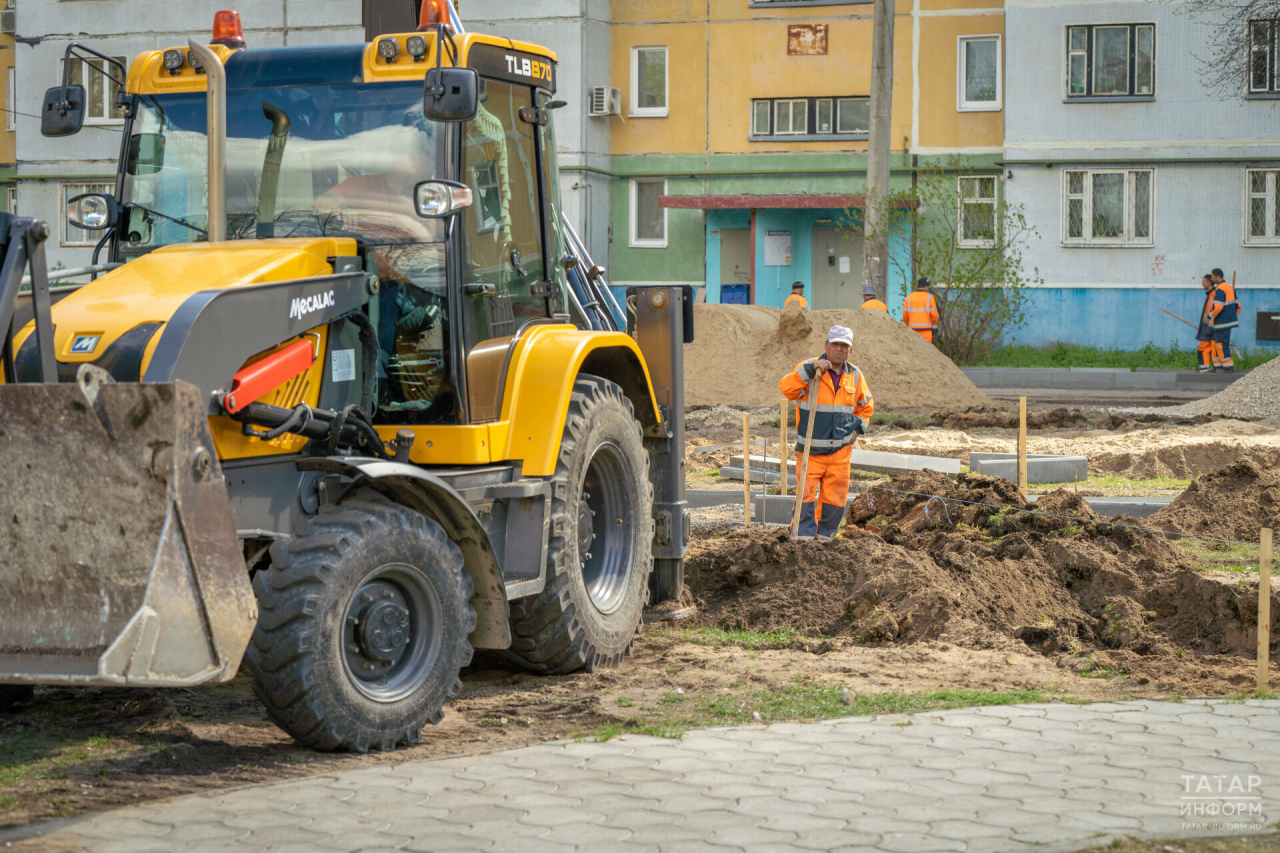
216 83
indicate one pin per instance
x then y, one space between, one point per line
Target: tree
969 248
1228 56
875 249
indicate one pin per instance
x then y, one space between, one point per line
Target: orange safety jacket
875 305
798 299
1221 308
840 414
920 312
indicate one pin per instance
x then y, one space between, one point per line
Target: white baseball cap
840 335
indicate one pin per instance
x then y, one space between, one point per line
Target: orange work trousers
1211 354
826 491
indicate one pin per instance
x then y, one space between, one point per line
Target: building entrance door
837 268
735 264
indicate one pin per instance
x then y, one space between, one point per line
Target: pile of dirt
1165 451
1059 417
978 567
741 351
1256 395
1234 502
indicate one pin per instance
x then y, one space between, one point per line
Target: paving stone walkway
1013 778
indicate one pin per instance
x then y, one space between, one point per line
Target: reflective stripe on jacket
920 311
839 414
1222 309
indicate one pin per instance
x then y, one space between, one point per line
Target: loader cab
337 142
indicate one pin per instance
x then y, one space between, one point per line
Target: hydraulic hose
269 186
369 359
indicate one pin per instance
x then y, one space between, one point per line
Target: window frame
791 116
636 110
11 115
63 196
634 241
1128 240
1090 57
963 201
1272 215
1272 87
11 200
812 107
962 103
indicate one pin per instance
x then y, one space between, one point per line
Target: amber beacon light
227 30
436 12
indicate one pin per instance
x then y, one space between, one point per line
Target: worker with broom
1218 317
835 395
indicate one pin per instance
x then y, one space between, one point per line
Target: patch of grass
750 640
1220 556
1109 484
1175 357
672 698
625 702
1269 843
1104 671
7 803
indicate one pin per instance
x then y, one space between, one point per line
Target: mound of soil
1234 502
760 345
977 566
990 416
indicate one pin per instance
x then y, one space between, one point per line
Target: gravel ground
1255 396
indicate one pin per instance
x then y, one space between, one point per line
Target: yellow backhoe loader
349 401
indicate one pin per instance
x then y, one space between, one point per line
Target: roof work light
227 30
417 47
174 60
387 49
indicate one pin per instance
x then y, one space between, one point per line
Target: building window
100 91
977 219
790 117
979 73
1262 192
648 81
1108 207
1263 76
1111 61
71 235
811 117
10 116
12 199
648 220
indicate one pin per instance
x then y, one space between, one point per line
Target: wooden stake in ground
746 470
803 473
782 447
1022 443
764 484
1264 608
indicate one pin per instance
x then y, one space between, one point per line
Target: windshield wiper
171 218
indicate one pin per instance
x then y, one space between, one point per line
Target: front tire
600 553
362 627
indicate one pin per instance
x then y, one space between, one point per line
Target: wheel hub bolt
386 593
366 597
354 649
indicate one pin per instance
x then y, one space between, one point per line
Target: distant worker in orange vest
797 296
840 414
869 300
1220 315
920 311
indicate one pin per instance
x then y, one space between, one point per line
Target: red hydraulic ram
254 380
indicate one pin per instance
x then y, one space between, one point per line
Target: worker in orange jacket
797 296
869 300
841 414
920 311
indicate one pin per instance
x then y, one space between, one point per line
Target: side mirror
438 199
146 154
92 211
62 116
451 94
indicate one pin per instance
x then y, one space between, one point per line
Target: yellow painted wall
941 124
8 145
746 51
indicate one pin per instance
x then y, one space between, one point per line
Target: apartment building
1138 176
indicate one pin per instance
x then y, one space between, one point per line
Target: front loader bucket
119 560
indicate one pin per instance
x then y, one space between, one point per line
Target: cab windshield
320 160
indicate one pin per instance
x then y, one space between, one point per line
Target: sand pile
981 577
1256 395
1165 451
1234 502
741 351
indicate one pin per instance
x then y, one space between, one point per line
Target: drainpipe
216 97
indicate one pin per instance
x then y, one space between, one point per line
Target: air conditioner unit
605 101
8 21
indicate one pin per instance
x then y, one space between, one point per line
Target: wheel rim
391 633
606 528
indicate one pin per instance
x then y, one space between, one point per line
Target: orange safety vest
796 299
839 412
875 305
920 312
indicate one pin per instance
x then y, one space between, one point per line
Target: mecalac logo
84 343
304 305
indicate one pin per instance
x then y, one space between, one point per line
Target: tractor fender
543 366
423 492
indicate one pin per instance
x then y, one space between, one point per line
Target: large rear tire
362 627
600 553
